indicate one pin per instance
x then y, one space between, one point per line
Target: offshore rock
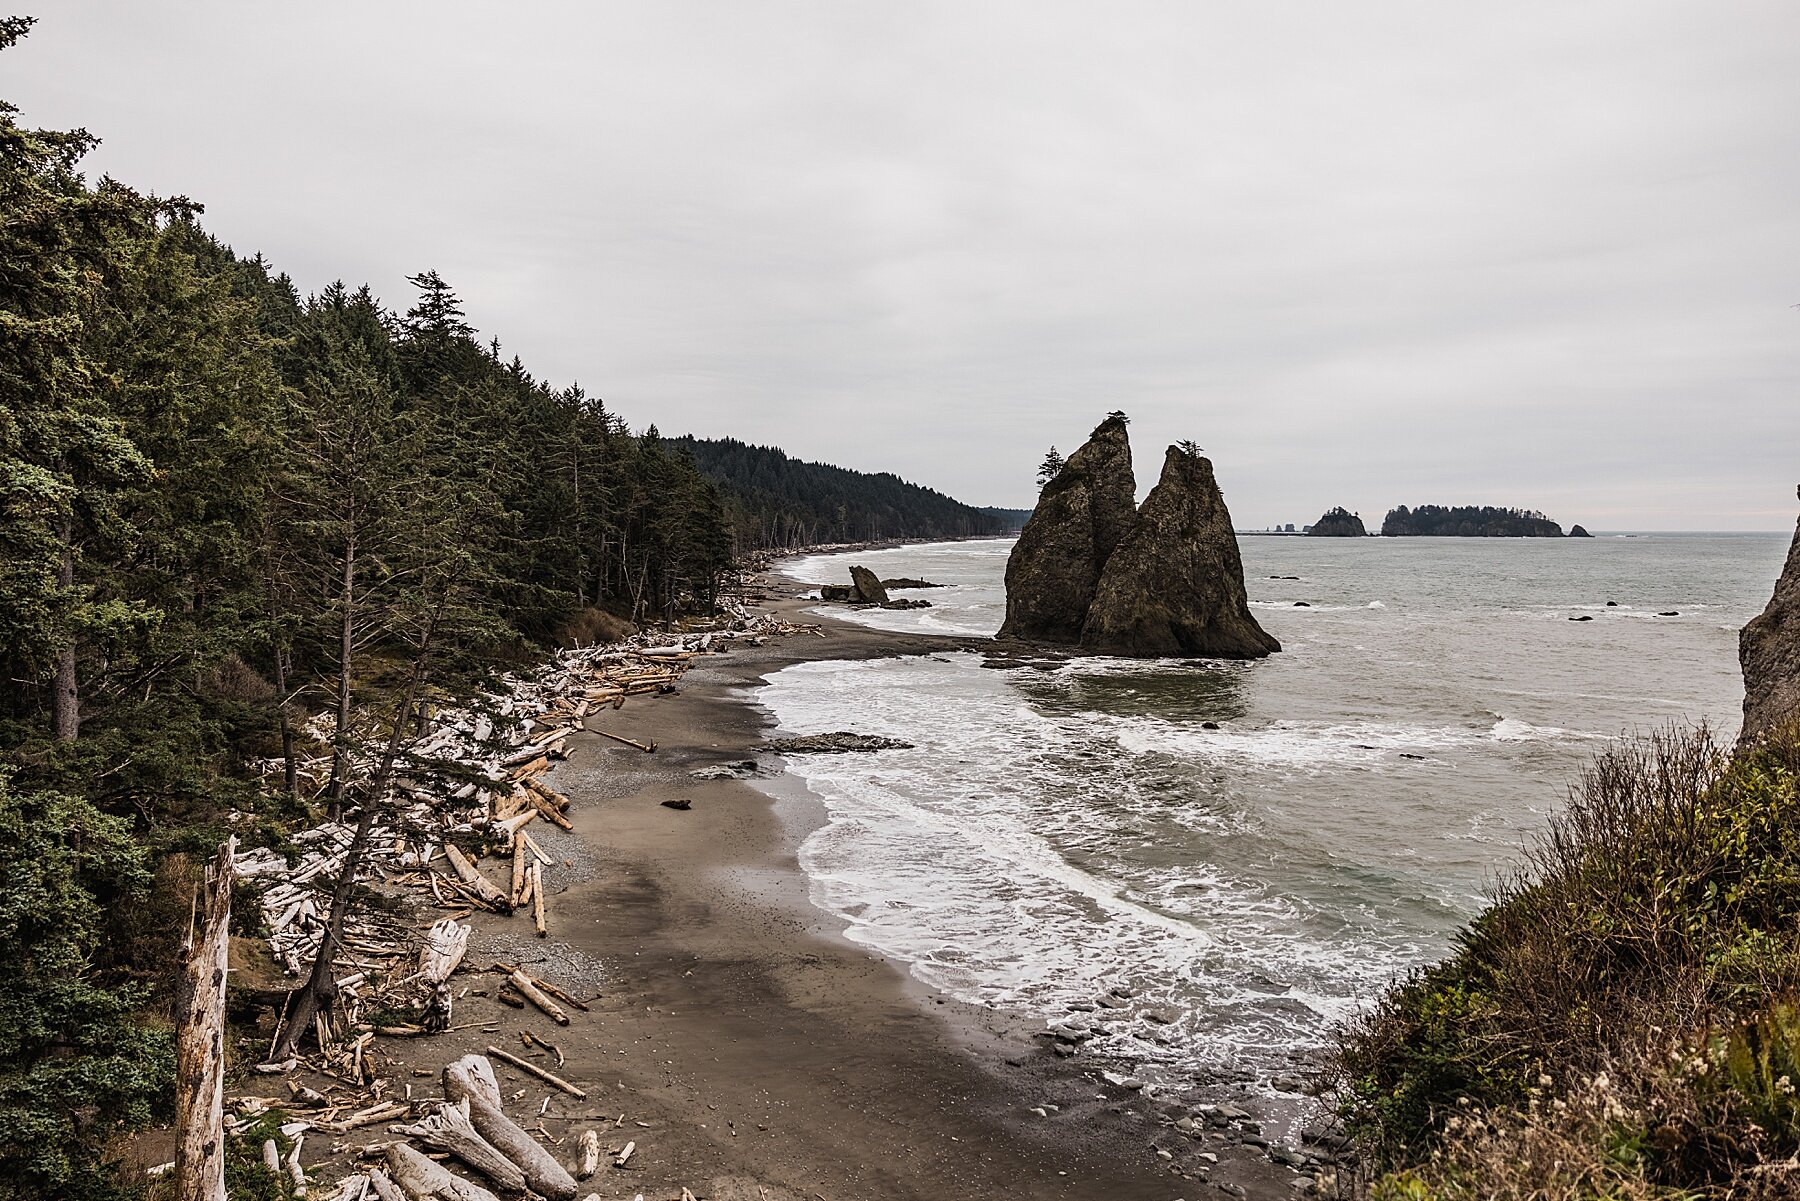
838 742
868 586
1175 585
1769 652
1579 531
1338 523
1081 518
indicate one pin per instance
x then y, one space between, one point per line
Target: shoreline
857 1079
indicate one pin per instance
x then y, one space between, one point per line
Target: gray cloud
1365 254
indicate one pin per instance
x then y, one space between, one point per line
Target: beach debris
646 747
681 803
624 1155
588 1154
544 1074
836 743
1583 617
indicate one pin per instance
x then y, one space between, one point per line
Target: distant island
1338 523
1468 521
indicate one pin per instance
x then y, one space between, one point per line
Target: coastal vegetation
1467 521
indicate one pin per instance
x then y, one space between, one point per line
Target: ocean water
1069 828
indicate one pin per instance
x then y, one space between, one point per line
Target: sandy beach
747 1048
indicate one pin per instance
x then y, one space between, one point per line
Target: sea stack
1081 517
1094 571
1769 652
1175 585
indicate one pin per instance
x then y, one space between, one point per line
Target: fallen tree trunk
482 886
422 1180
470 1080
200 1041
449 1129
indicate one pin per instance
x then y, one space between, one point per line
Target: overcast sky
1543 254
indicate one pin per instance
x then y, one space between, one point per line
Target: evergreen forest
1467 521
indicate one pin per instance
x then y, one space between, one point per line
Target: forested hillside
777 501
1467 521
228 511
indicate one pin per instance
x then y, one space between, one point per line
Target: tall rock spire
1175 585
1081 517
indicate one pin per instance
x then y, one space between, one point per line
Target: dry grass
1614 1026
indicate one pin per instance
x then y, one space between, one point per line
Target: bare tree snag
67 711
200 1040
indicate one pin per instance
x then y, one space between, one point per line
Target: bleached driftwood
445 945
484 888
450 1130
548 1077
588 1156
422 1180
473 1082
531 992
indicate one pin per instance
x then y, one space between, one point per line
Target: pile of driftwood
476 782
469 1127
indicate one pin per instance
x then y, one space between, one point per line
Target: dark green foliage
1467 521
76 1062
1051 467
776 501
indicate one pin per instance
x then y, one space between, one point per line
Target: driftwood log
423 1180
588 1157
483 887
525 1065
449 1129
200 1040
471 1080
384 1186
531 992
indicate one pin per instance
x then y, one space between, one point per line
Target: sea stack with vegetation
1338 522
1083 513
1164 579
1624 1020
1467 521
